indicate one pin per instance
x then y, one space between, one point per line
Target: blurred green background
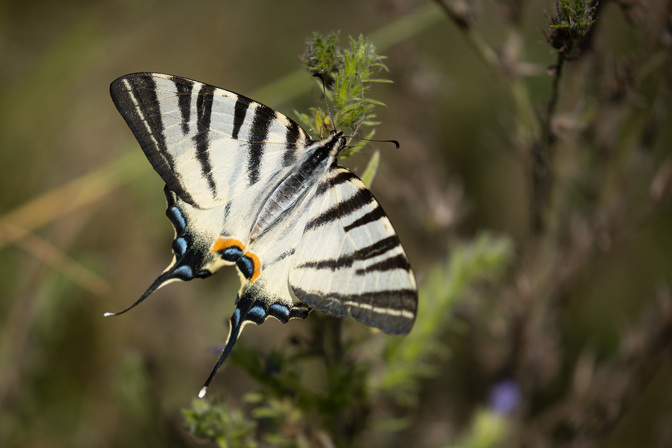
583 309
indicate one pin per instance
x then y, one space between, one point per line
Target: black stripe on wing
341 209
380 247
371 216
342 177
261 123
202 138
393 311
136 99
295 140
185 89
292 136
239 113
399 261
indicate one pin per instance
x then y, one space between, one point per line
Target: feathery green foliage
347 74
571 23
216 422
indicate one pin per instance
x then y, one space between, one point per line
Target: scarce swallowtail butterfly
246 186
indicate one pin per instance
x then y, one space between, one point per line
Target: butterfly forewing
208 144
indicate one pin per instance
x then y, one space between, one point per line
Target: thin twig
552 104
461 19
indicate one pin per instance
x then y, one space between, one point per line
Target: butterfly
246 186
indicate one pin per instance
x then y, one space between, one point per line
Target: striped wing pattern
358 267
246 186
209 145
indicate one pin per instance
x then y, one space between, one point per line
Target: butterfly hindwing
350 261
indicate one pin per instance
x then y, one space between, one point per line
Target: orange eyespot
231 249
224 243
257 265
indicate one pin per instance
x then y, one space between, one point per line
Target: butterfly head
340 142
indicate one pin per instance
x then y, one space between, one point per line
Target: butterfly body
246 186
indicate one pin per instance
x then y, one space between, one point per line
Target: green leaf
371 169
346 74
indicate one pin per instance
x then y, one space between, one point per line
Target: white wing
220 154
350 261
209 145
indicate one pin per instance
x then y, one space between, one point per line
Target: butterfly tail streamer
160 281
180 271
251 309
241 316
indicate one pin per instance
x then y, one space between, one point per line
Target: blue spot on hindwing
177 218
235 319
280 311
256 314
184 273
180 246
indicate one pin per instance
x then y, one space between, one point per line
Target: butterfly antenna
394 142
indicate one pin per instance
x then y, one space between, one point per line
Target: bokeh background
579 325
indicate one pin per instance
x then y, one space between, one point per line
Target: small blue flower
504 396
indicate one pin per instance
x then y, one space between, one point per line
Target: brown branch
461 18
